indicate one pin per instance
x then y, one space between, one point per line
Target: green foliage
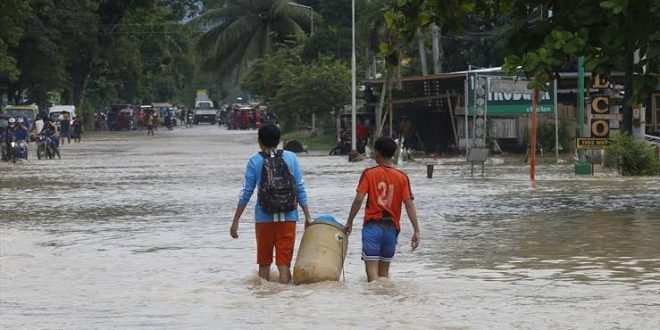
607 35
318 88
12 14
267 75
96 52
241 31
147 61
546 136
332 31
632 157
40 58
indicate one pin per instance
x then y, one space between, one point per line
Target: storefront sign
592 143
603 119
509 96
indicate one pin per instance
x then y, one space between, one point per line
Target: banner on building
508 95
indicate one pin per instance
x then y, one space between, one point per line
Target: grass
312 142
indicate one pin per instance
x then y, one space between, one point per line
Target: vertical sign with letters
600 109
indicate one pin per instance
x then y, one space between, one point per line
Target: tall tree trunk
438 55
422 51
80 73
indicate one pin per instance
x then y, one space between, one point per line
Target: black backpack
277 188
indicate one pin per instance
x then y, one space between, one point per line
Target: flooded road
131 232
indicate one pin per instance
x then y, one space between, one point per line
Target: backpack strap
278 153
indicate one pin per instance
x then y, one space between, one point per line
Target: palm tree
241 31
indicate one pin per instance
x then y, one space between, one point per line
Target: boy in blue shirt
276 230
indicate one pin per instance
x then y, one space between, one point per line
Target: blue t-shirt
21 134
252 178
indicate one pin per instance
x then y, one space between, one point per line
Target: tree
318 88
269 74
39 58
607 35
147 59
332 33
242 31
12 14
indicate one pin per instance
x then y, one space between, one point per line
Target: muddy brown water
131 232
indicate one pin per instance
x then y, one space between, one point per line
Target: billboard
508 95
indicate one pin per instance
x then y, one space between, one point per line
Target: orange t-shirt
386 189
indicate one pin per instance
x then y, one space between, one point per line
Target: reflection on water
133 233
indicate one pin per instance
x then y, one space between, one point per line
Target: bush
546 136
631 156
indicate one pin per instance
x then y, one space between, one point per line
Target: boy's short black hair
385 146
269 136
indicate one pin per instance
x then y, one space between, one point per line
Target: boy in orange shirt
387 188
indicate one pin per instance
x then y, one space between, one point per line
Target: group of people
69 129
147 119
248 118
386 189
364 130
17 130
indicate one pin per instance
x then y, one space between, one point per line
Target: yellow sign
601 104
600 128
601 83
592 143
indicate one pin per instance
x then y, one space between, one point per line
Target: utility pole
581 166
532 148
354 152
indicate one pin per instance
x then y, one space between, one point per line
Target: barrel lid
328 219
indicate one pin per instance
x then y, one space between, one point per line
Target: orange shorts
278 235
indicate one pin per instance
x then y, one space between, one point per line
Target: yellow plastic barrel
321 253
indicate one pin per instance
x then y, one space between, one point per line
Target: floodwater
131 232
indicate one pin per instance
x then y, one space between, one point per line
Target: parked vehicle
162 110
113 116
28 112
204 109
56 111
125 119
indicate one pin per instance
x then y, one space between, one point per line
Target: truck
204 110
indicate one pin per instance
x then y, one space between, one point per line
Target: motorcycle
189 120
343 146
19 150
46 147
169 123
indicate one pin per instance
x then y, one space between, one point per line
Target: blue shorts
379 240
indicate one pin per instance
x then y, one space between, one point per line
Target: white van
56 111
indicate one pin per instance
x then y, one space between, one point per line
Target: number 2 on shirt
385 194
